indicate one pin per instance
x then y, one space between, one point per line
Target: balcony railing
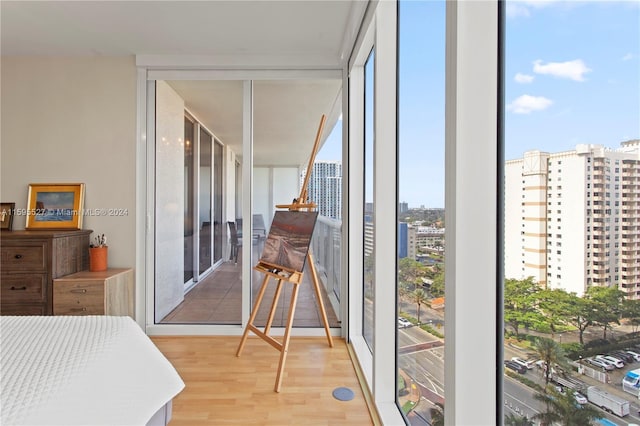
326 247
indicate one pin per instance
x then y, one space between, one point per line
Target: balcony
326 247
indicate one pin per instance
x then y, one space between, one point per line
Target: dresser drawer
23 309
23 288
78 298
24 257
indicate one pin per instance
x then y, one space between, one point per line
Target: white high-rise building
572 219
325 188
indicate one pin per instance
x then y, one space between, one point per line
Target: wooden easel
284 275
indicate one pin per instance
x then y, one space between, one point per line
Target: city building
325 188
403 240
423 238
572 219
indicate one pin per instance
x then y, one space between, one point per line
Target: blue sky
572 76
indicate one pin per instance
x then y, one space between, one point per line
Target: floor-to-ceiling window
188 178
204 188
369 203
218 194
571 208
284 140
286 115
205 198
421 215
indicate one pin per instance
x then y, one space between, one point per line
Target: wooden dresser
31 260
109 292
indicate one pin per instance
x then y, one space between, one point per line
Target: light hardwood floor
223 389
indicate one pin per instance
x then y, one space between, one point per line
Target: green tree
411 271
553 305
419 297
631 311
607 306
580 313
562 409
519 303
437 287
549 351
516 420
404 289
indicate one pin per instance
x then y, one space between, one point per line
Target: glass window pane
284 136
421 227
369 219
571 205
192 241
204 202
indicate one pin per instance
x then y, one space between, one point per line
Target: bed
82 370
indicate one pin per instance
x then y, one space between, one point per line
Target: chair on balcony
236 242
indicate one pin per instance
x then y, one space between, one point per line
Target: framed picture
55 206
6 215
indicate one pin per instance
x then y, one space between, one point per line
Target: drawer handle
18 256
24 287
78 309
79 290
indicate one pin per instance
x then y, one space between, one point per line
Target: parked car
601 364
403 322
526 364
623 356
515 367
611 359
580 398
635 355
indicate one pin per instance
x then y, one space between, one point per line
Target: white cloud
523 78
628 57
517 8
573 70
526 104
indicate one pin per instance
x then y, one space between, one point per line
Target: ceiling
286 117
296 34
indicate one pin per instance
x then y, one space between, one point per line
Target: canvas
289 237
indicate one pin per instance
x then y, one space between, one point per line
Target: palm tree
551 353
515 420
437 415
562 408
419 297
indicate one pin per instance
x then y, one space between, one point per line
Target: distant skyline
572 76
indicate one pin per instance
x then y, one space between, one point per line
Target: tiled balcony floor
217 300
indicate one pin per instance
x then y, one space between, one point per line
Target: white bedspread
81 370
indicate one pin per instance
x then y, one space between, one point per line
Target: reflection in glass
189 193
204 213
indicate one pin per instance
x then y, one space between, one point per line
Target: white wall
73 120
169 273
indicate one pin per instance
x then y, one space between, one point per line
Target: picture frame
55 206
6 215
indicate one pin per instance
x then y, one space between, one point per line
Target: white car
402 322
600 363
635 355
612 360
580 398
527 364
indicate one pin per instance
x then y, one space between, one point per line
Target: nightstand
109 292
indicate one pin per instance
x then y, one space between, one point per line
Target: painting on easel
289 237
